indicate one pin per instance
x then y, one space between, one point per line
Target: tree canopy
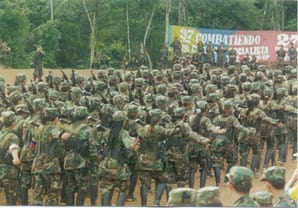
64 27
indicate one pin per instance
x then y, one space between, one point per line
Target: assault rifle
64 76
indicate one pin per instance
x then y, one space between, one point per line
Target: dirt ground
226 196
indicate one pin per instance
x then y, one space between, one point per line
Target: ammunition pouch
110 168
149 162
5 157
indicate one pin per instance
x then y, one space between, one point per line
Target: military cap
113 93
80 78
242 77
123 86
255 97
182 197
79 112
231 68
194 75
111 71
179 112
195 87
139 82
293 73
280 78
262 68
202 105
161 100
20 78
101 74
118 99
277 72
177 67
132 108
282 91
225 79
8 117
159 76
107 109
246 70
255 86
15 96
128 76
65 86
50 114
171 88
100 85
246 86
177 74
149 98
193 81
208 195
269 83
56 79
264 199
268 92
146 74
39 103
22 108
274 173
119 116
186 99
206 66
42 86
76 91
161 89
240 176
212 97
155 113
113 79
53 94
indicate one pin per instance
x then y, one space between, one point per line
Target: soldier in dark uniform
38 64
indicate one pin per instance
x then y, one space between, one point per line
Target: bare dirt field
226 196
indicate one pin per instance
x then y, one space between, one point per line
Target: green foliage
14 26
48 36
66 39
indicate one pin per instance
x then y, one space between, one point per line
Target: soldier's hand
222 131
252 131
65 136
136 146
205 141
280 124
16 162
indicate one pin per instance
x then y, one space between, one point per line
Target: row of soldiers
73 133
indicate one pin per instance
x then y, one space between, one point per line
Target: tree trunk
167 20
146 36
128 38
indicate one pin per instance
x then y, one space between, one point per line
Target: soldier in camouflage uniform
113 170
252 118
208 197
226 145
281 53
240 183
150 162
292 52
264 199
274 179
179 147
182 197
9 159
201 124
46 166
79 154
38 64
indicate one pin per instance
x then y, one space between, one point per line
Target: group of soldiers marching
70 135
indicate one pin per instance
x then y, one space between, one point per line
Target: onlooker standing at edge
38 64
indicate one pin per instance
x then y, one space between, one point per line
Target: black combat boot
69 198
106 199
268 156
24 196
191 179
93 194
144 191
121 199
81 198
203 178
131 188
160 188
217 171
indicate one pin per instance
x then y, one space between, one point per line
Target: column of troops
71 135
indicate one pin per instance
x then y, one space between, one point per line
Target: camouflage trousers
77 180
46 187
37 74
8 181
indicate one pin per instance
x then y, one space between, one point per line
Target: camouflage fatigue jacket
245 201
284 201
